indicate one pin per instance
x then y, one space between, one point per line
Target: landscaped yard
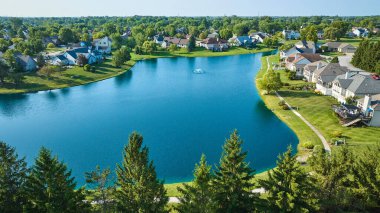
68 78
317 110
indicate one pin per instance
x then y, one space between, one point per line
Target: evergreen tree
100 181
191 45
335 60
50 187
289 188
334 174
233 179
140 190
197 196
13 173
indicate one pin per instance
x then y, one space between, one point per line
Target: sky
66 8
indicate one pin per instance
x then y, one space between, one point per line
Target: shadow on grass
297 94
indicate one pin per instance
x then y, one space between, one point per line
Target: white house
158 39
179 42
26 62
360 32
287 53
103 45
291 34
259 36
355 84
325 75
297 62
214 44
309 69
370 107
59 60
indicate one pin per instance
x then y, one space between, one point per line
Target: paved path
345 61
315 130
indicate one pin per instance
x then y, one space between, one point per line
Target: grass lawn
68 78
317 110
200 52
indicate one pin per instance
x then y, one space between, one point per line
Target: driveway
345 61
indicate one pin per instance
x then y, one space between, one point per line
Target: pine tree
197 196
13 173
140 190
233 179
191 44
50 187
290 189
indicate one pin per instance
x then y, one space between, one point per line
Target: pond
182 106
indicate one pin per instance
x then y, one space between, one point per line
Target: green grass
200 52
68 78
317 110
353 41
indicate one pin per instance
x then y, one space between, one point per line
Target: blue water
180 114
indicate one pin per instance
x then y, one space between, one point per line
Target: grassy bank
200 52
317 110
71 77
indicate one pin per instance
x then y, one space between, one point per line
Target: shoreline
137 58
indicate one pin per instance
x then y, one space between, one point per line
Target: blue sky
188 7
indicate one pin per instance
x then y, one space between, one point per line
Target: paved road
315 130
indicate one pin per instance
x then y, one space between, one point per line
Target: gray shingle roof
329 72
360 84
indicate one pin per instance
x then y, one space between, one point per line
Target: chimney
347 75
366 103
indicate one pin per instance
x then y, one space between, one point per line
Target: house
59 60
240 41
213 35
346 48
214 44
180 42
51 39
103 45
287 53
360 32
306 46
326 75
158 39
320 35
26 62
370 107
296 62
339 47
332 46
259 36
92 56
355 84
309 70
291 34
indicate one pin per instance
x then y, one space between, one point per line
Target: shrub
308 145
87 67
286 84
50 45
337 134
93 68
285 107
281 103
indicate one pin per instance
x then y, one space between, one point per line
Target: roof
24 59
329 72
332 44
344 45
61 57
309 56
159 38
359 83
305 44
293 50
315 65
214 41
184 41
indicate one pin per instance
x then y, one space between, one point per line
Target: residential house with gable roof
296 62
214 44
306 46
103 45
325 75
370 107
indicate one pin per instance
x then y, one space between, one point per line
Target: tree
203 35
117 58
47 71
335 60
13 172
4 71
50 187
116 40
225 33
100 181
331 33
149 46
309 33
4 44
50 45
240 29
271 81
173 47
40 60
140 190
66 35
82 60
336 187
125 54
191 45
232 184
289 188
197 196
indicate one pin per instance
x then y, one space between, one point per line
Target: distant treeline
340 181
